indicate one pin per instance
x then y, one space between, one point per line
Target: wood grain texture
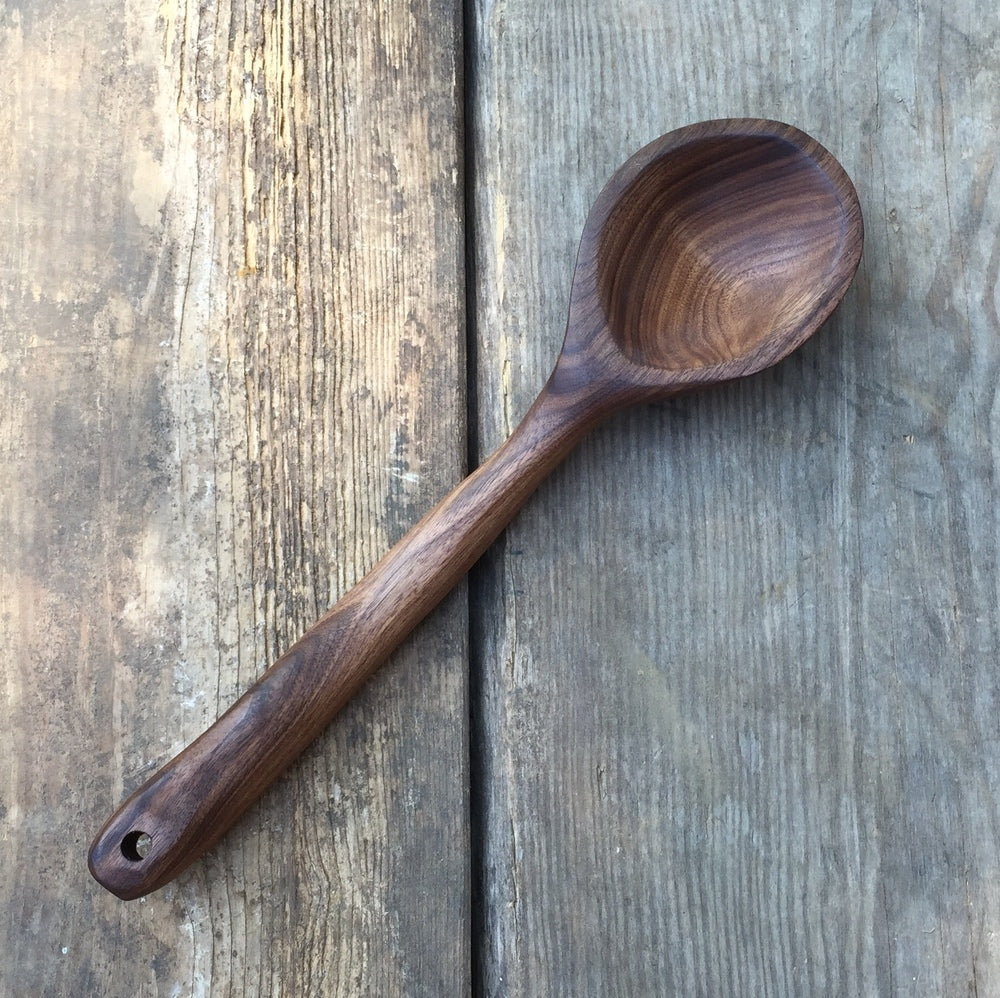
736 699
231 373
713 252
750 746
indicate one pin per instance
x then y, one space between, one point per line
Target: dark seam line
474 589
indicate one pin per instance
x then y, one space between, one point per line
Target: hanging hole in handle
136 846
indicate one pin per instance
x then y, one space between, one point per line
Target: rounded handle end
124 858
159 831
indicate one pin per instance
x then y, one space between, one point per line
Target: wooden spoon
711 254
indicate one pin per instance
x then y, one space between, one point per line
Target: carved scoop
711 254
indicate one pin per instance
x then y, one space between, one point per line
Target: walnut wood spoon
711 254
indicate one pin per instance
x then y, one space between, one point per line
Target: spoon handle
196 797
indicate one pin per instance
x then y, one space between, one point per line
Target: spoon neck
549 430
583 390
567 408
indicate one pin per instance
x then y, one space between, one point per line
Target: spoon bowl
712 253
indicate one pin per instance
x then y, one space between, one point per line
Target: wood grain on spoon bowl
710 254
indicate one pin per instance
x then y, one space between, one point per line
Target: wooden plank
736 690
231 373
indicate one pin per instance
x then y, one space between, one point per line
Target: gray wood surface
736 699
732 673
232 372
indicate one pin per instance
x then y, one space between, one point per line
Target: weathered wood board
736 700
733 671
232 370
